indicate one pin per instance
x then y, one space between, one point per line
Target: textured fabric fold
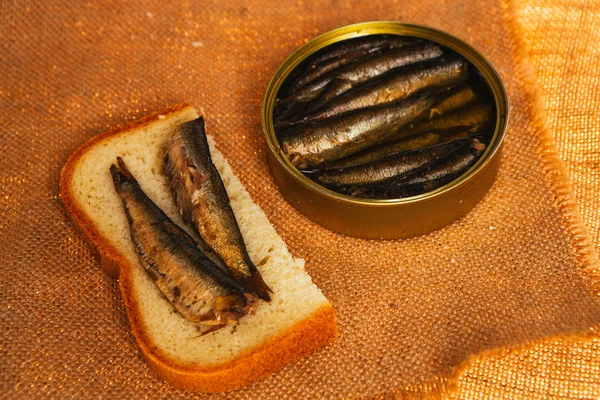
410 312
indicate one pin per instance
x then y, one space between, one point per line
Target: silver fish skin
203 203
475 117
462 97
317 70
440 171
391 167
378 152
295 104
315 144
343 53
197 288
416 142
369 43
449 166
395 85
349 75
361 72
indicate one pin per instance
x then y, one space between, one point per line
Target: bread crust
104 251
315 331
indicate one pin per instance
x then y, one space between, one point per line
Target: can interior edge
319 193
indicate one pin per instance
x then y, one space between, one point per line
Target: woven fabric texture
511 272
560 38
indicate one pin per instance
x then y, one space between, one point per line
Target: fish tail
256 284
211 330
120 174
288 110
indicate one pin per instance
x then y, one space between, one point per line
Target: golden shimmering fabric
517 269
560 39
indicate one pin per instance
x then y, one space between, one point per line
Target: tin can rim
488 72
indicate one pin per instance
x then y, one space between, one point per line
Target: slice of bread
298 320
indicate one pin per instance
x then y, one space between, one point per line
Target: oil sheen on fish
459 98
441 171
345 53
396 85
473 118
384 150
315 71
385 169
203 203
362 70
197 288
369 43
426 178
449 167
311 145
416 142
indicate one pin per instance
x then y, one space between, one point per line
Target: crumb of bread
295 298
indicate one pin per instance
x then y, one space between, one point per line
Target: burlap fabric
562 40
412 313
559 40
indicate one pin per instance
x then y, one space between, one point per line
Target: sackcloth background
501 304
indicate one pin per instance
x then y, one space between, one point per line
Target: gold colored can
393 218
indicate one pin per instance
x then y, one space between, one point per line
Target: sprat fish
395 85
197 287
311 145
203 202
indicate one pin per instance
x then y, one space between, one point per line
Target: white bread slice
298 320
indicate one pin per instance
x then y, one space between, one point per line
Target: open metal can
389 218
